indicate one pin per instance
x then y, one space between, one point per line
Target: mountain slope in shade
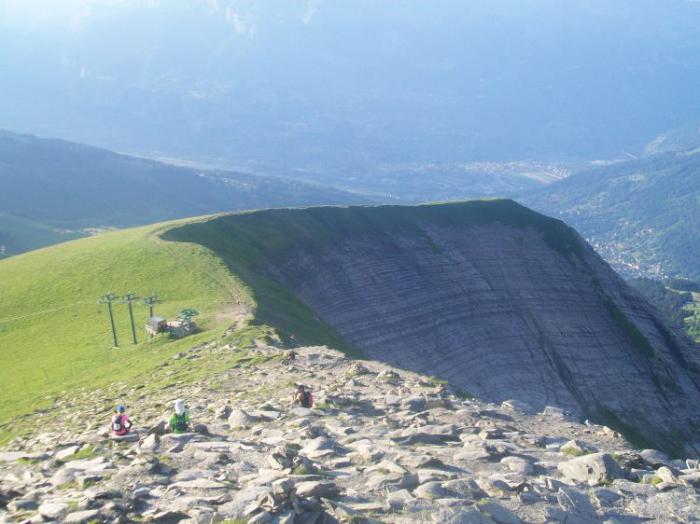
71 186
642 215
496 299
19 234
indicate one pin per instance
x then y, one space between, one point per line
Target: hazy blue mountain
681 138
52 189
18 234
642 215
352 91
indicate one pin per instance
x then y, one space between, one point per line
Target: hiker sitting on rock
303 397
289 357
180 421
120 421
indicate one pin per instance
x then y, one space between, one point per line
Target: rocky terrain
380 445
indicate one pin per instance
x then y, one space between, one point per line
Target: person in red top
120 421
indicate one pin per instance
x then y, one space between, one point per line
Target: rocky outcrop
358 456
501 302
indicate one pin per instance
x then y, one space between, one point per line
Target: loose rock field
380 445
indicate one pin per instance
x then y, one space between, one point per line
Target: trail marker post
108 299
129 298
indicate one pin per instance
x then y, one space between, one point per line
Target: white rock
150 443
241 419
593 469
53 510
67 452
82 517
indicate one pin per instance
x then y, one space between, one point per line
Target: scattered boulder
555 413
593 469
432 491
415 404
517 465
655 458
431 434
398 452
241 419
319 447
82 517
150 443
317 489
576 448
518 406
128 438
389 376
573 501
67 452
53 510
497 513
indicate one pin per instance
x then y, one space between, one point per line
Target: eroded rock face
507 314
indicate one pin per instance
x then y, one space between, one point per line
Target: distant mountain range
54 190
351 93
642 215
680 138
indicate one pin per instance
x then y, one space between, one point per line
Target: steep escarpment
500 301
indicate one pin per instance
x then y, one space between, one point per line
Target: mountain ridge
493 297
465 292
61 185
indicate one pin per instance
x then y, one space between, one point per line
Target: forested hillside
643 215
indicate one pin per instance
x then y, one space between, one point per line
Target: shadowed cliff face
516 307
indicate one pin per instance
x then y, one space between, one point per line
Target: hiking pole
129 298
108 299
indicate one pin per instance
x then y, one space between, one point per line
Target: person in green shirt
180 421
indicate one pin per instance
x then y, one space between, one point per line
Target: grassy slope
53 335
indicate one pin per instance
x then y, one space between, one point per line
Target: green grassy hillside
54 336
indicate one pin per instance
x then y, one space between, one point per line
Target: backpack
181 422
308 400
118 423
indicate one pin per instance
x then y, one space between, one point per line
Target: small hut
156 325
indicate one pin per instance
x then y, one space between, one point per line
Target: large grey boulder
593 469
317 489
319 447
53 510
241 419
150 443
242 501
655 458
432 434
432 491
